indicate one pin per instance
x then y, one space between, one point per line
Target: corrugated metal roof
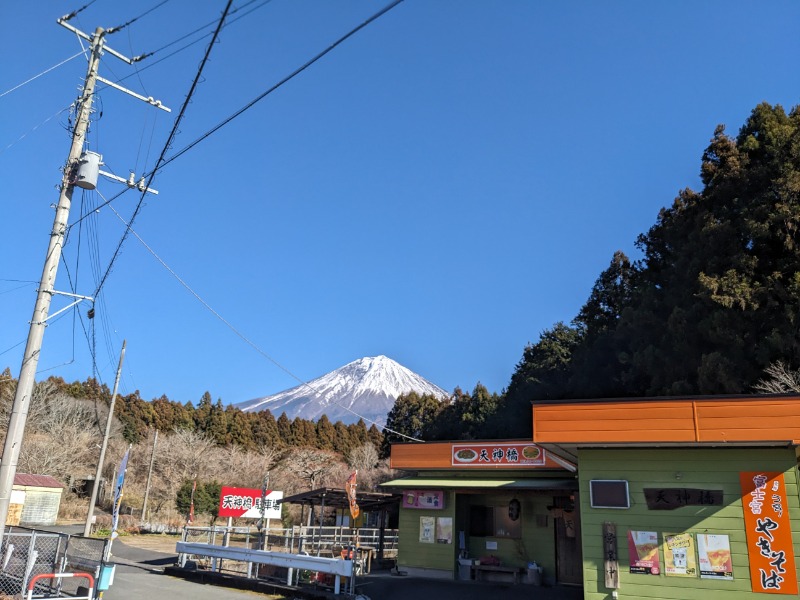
36 481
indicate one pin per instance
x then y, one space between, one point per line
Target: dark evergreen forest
225 425
711 303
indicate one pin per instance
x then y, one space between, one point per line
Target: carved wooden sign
672 498
610 562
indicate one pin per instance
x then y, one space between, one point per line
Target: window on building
609 493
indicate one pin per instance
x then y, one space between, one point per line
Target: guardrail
312 539
337 567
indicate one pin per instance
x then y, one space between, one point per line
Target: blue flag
123 465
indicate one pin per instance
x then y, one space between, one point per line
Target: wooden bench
482 570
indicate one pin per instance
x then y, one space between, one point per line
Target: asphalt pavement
140 574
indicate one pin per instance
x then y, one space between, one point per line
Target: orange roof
440 455
740 419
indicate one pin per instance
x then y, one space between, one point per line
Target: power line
162 162
111 30
247 340
167 145
34 128
202 27
63 62
286 79
75 12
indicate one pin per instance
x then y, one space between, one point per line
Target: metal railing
314 541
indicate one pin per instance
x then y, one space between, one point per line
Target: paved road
139 575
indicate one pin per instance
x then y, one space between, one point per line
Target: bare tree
365 459
69 453
780 379
183 455
307 468
61 436
244 468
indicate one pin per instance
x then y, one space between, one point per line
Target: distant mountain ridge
367 387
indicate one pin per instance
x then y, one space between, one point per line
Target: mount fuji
367 387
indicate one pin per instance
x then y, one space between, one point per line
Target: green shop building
494 510
662 498
682 498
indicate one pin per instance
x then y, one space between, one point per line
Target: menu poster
714 553
679 555
444 530
426 529
643 552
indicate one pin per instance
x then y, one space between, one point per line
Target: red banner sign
246 502
520 454
769 533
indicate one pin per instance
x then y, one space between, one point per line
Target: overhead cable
289 77
168 143
133 20
244 338
75 12
63 62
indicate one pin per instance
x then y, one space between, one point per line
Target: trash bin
465 569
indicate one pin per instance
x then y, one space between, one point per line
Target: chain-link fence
28 552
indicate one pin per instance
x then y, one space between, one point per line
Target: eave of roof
522 483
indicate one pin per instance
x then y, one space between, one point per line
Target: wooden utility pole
87 529
149 477
30 360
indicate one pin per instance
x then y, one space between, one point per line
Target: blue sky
440 188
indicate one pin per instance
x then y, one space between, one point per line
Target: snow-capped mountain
367 387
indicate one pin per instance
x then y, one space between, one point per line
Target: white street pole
87 529
149 477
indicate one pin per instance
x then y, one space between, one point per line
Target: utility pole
149 477
30 360
87 529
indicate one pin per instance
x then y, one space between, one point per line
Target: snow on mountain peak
367 387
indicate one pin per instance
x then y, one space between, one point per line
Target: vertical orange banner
769 533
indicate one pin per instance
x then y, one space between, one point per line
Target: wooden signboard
672 498
610 560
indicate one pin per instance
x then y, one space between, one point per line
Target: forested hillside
224 425
209 443
712 302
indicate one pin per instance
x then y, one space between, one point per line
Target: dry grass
72 508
